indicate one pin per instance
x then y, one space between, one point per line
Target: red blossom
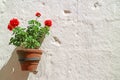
38 14
14 22
10 27
48 23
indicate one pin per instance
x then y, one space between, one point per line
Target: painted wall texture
84 41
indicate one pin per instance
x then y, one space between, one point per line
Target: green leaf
34 22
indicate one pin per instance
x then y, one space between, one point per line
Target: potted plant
29 39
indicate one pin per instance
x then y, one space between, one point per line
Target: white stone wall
84 42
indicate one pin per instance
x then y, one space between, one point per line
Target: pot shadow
12 70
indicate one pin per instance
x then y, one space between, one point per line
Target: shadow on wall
12 70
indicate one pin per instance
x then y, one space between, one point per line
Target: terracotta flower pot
29 59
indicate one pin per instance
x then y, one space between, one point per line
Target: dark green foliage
29 37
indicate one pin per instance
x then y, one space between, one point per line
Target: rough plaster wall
83 45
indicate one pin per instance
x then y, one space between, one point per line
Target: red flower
38 14
10 27
48 23
14 22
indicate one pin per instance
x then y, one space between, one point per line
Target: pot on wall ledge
29 59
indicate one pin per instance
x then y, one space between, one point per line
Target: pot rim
30 50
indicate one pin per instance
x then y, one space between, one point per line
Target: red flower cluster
48 23
13 23
38 14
